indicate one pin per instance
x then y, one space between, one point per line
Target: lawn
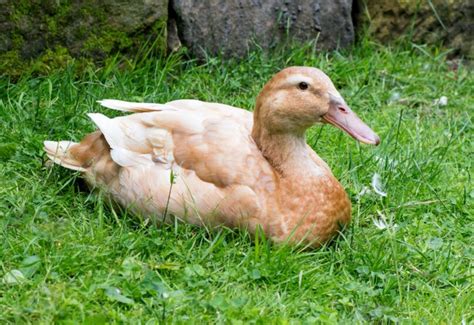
67 256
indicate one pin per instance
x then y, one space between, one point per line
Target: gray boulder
233 27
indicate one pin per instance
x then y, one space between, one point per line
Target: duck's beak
341 116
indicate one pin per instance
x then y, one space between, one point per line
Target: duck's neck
288 153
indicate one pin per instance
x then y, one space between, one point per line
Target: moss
52 26
52 59
106 42
17 40
12 64
58 32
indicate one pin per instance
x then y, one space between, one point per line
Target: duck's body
213 164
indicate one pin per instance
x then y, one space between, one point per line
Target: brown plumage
229 168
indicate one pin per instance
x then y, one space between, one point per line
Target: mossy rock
442 22
35 31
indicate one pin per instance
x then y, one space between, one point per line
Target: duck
215 165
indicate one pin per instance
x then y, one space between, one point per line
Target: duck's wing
211 139
209 143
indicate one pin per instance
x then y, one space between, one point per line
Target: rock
173 42
233 27
447 22
132 16
92 29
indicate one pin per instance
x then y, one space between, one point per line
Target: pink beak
341 116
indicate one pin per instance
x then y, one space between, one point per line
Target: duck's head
298 97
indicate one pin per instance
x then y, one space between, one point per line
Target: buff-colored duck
228 168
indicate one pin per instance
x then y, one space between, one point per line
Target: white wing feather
120 105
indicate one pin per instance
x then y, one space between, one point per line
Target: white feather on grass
377 185
382 223
442 101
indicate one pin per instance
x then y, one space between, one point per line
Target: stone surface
78 28
51 32
446 22
232 27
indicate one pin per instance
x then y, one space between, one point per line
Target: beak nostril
342 109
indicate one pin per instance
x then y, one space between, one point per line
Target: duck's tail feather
91 156
120 105
59 153
92 150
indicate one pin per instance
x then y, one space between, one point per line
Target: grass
67 257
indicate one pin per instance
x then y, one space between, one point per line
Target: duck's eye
303 85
